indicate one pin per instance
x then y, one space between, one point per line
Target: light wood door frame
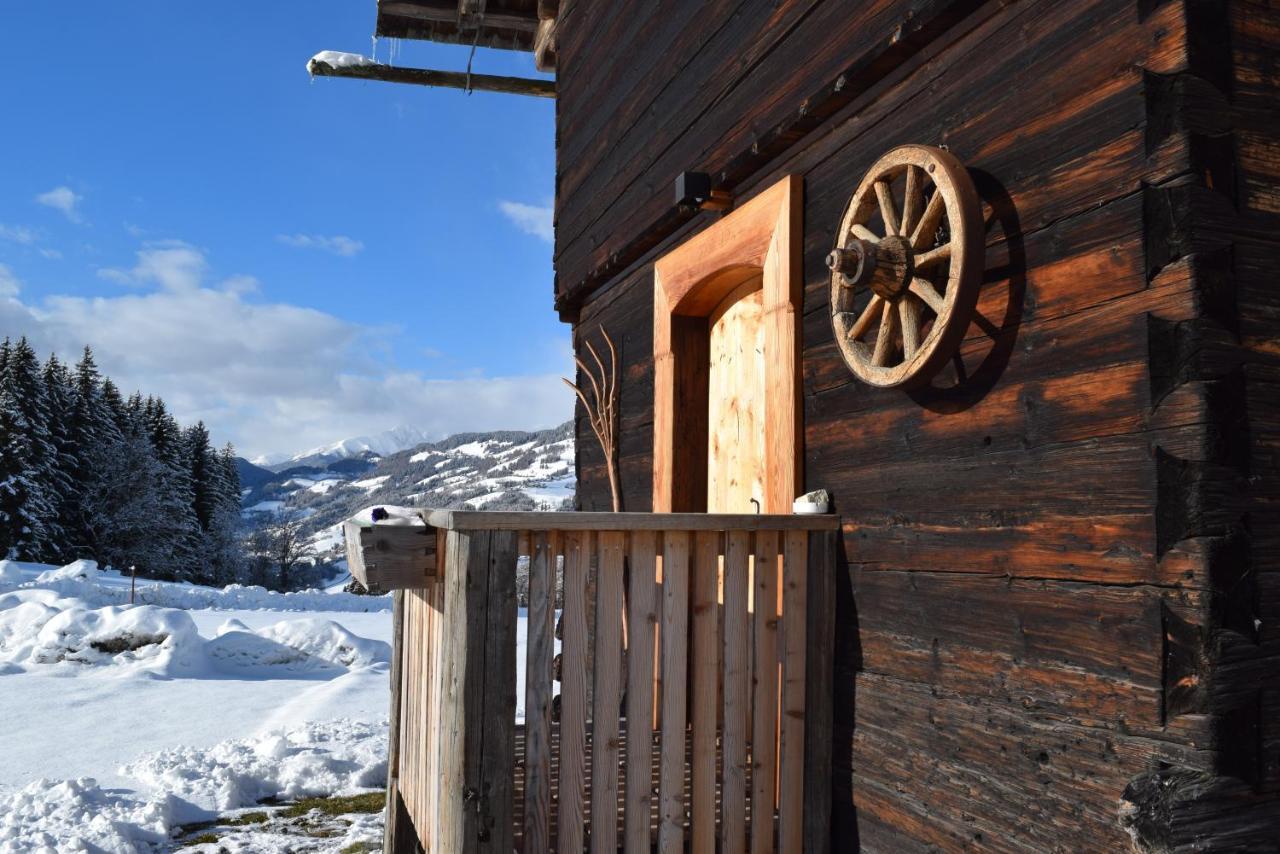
761 237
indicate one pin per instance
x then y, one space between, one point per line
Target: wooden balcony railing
696 716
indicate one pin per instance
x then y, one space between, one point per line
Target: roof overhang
527 25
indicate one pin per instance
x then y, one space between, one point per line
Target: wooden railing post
477 715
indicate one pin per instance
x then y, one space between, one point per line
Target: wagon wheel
905 279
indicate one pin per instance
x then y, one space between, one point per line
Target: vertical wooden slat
431 769
643 604
424 660
675 613
607 694
573 691
495 778
737 675
795 579
393 731
765 693
537 694
819 684
705 682
466 597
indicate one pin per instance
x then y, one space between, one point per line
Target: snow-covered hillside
505 470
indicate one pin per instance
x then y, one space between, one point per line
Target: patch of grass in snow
202 839
337 805
309 818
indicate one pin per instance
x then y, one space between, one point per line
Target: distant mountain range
503 470
382 444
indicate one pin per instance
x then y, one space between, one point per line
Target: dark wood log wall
1060 626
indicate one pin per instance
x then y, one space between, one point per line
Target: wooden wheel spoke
935 255
912 199
909 317
863 233
884 338
864 320
923 285
923 289
928 223
887 212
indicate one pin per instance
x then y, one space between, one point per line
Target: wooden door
736 402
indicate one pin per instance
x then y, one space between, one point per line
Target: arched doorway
726 362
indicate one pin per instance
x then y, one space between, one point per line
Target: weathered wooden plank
819 734
644 607
607 692
393 825
737 691
675 617
573 693
538 692
390 557
1046 646
462 703
704 683
764 700
498 710
791 761
480 520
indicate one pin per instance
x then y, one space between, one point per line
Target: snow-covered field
124 722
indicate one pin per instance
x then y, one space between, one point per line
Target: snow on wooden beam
334 64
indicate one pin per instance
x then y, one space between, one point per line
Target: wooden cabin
1001 278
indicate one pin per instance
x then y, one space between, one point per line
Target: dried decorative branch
602 408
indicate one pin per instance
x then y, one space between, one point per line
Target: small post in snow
133 580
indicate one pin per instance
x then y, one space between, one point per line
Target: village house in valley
1000 278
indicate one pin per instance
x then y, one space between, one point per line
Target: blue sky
292 261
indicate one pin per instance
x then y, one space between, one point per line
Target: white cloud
9 284
338 244
17 234
62 199
266 376
171 264
51 254
531 219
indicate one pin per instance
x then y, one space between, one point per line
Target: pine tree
63 490
25 456
126 486
96 438
225 550
176 522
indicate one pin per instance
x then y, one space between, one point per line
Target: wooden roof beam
437 15
332 64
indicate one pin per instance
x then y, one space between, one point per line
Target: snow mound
50 817
310 760
314 646
161 640
328 641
